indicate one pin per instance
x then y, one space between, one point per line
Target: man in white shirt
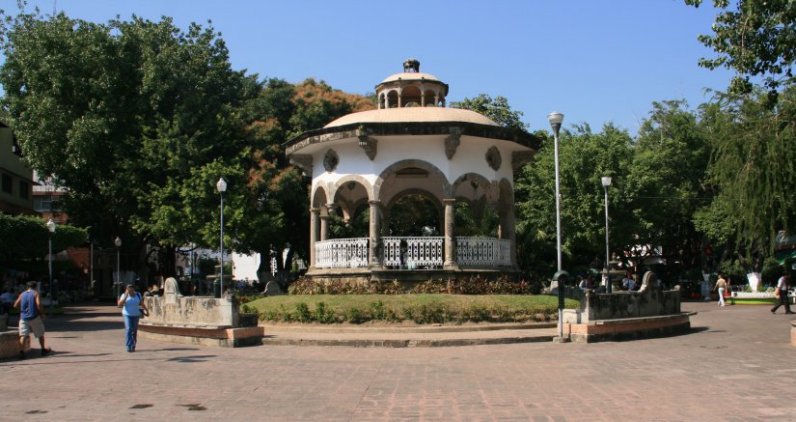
782 286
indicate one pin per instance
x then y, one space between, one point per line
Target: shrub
356 316
473 285
323 314
303 312
377 311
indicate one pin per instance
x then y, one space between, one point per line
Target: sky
596 61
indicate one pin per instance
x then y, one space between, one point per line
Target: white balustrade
411 252
478 251
342 253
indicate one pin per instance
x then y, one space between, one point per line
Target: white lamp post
221 186
555 118
606 180
51 228
118 243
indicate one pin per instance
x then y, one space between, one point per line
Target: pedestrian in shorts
31 319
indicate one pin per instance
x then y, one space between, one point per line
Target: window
7 182
24 189
48 203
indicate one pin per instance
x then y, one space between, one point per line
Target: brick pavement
737 364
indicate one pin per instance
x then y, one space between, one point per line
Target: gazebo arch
395 168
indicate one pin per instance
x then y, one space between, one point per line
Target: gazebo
412 160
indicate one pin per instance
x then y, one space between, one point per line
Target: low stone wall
200 311
9 344
647 313
196 320
605 306
628 328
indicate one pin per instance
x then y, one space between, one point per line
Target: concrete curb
404 343
365 329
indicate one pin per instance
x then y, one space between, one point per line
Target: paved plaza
736 364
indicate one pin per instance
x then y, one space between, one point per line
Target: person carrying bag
133 307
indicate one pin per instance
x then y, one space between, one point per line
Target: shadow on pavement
28 362
67 326
191 359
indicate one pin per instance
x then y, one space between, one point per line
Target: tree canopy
753 168
497 109
137 119
757 39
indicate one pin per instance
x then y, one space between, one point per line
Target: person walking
132 303
721 286
31 319
782 286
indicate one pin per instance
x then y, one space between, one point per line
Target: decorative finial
411 66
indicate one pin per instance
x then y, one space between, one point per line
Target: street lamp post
606 180
555 118
51 228
221 186
118 243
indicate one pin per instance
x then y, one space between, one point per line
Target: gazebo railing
414 252
342 253
478 251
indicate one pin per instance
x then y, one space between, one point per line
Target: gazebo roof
413 115
411 76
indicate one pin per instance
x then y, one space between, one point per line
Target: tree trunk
167 261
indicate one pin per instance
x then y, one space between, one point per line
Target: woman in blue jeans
132 305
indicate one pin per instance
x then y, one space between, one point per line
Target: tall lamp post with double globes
606 181
50 228
555 118
221 186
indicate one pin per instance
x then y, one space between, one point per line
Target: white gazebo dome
411 76
412 146
413 115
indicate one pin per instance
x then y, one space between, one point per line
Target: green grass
752 301
419 308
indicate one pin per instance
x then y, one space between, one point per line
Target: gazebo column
507 228
324 227
374 235
314 214
450 239
325 221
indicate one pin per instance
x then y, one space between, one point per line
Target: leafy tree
666 185
584 157
497 109
757 39
138 119
752 166
278 209
476 218
411 214
25 237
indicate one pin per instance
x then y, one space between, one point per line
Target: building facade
16 178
